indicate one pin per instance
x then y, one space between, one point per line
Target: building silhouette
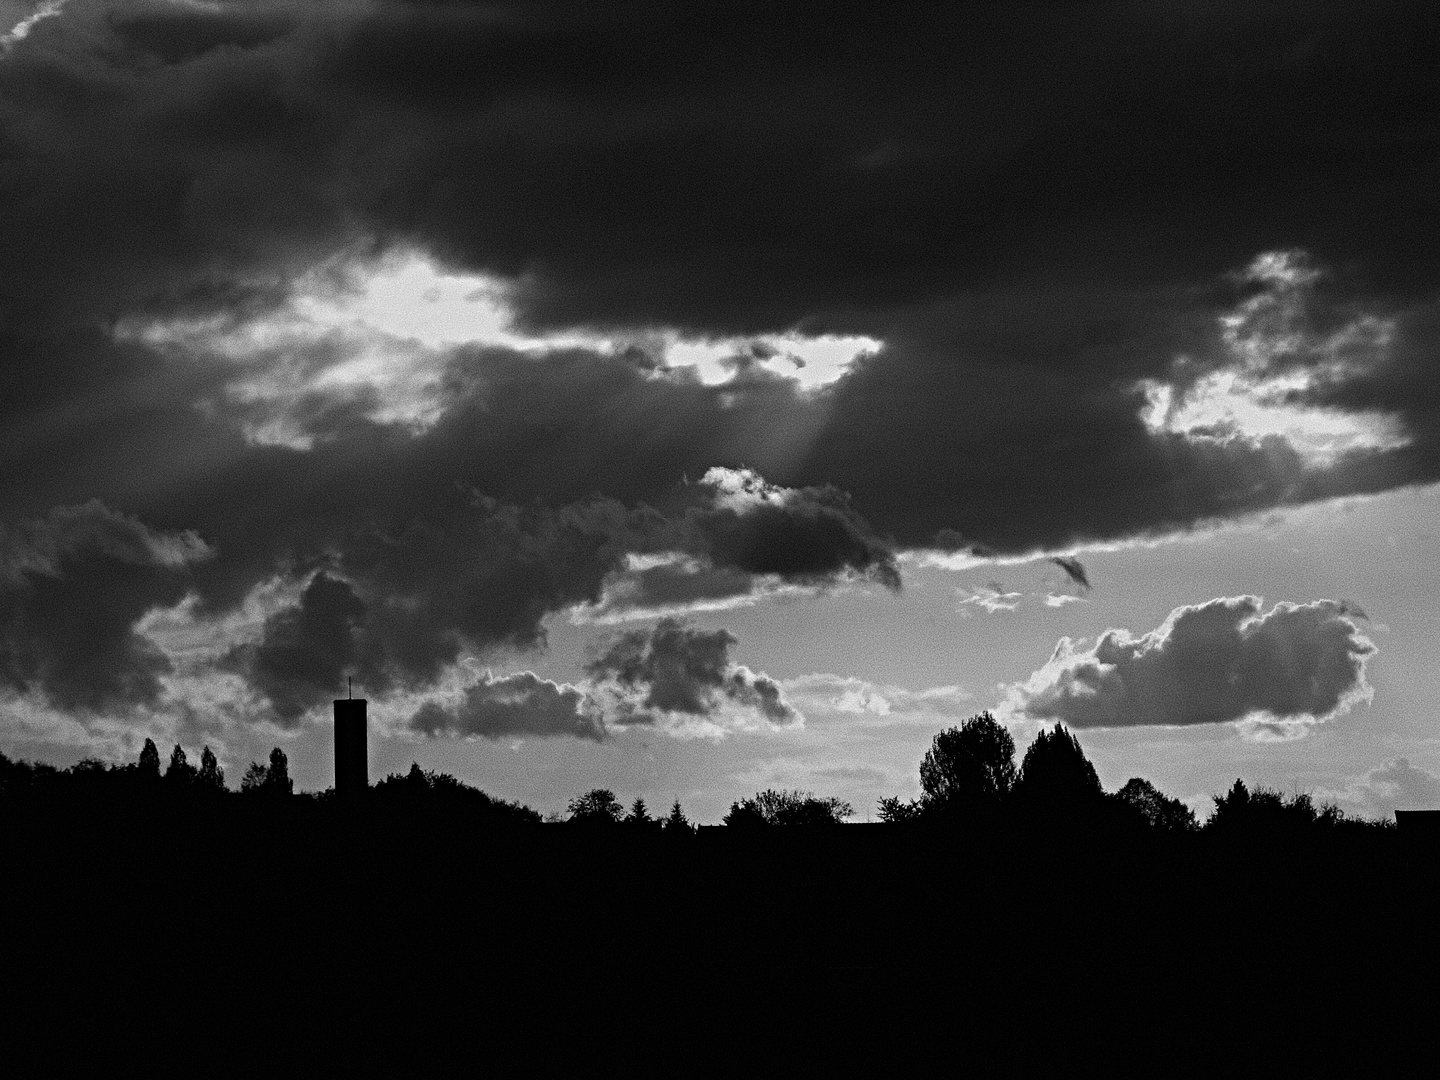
352 769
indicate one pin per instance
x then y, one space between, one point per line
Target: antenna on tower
349 690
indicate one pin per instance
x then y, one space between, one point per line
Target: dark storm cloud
72 586
522 705
177 35
1035 207
770 168
805 534
416 581
672 586
1211 663
306 650
662 586
678 669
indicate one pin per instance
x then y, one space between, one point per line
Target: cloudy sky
637 396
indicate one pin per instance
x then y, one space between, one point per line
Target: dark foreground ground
408 919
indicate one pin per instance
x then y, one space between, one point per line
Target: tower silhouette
352 769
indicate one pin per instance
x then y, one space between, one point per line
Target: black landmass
1027 885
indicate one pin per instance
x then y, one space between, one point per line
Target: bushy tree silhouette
1268 815
745 814
253 782
19 779
596 807
272 779
970 767
895 811
1055 775
771 807
426 791
1161 813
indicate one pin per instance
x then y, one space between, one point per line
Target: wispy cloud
21 30
852 700
991 598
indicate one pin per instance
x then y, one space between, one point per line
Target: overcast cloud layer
1134 267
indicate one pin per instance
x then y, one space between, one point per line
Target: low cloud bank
513 706
671 676
1395 785
1218 662
853 698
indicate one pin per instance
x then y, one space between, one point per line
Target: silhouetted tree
894 811
772 807
676 823
1266 814
1056 774
425 790
91 776
253 782
1161 813
148 767
639 817
180 773
596 807
745 814
20 778
277 778
272 779
211 777
970 767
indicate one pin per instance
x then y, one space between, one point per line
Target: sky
688 402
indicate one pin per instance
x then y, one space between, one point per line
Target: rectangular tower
352 768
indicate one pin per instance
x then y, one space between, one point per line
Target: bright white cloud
811 361
382 332
991 598
654 586
21 29
1274 355
410 297
744 489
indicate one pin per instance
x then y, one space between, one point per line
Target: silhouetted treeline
425 874
771 807
141 781
599 809
969 778
426 789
